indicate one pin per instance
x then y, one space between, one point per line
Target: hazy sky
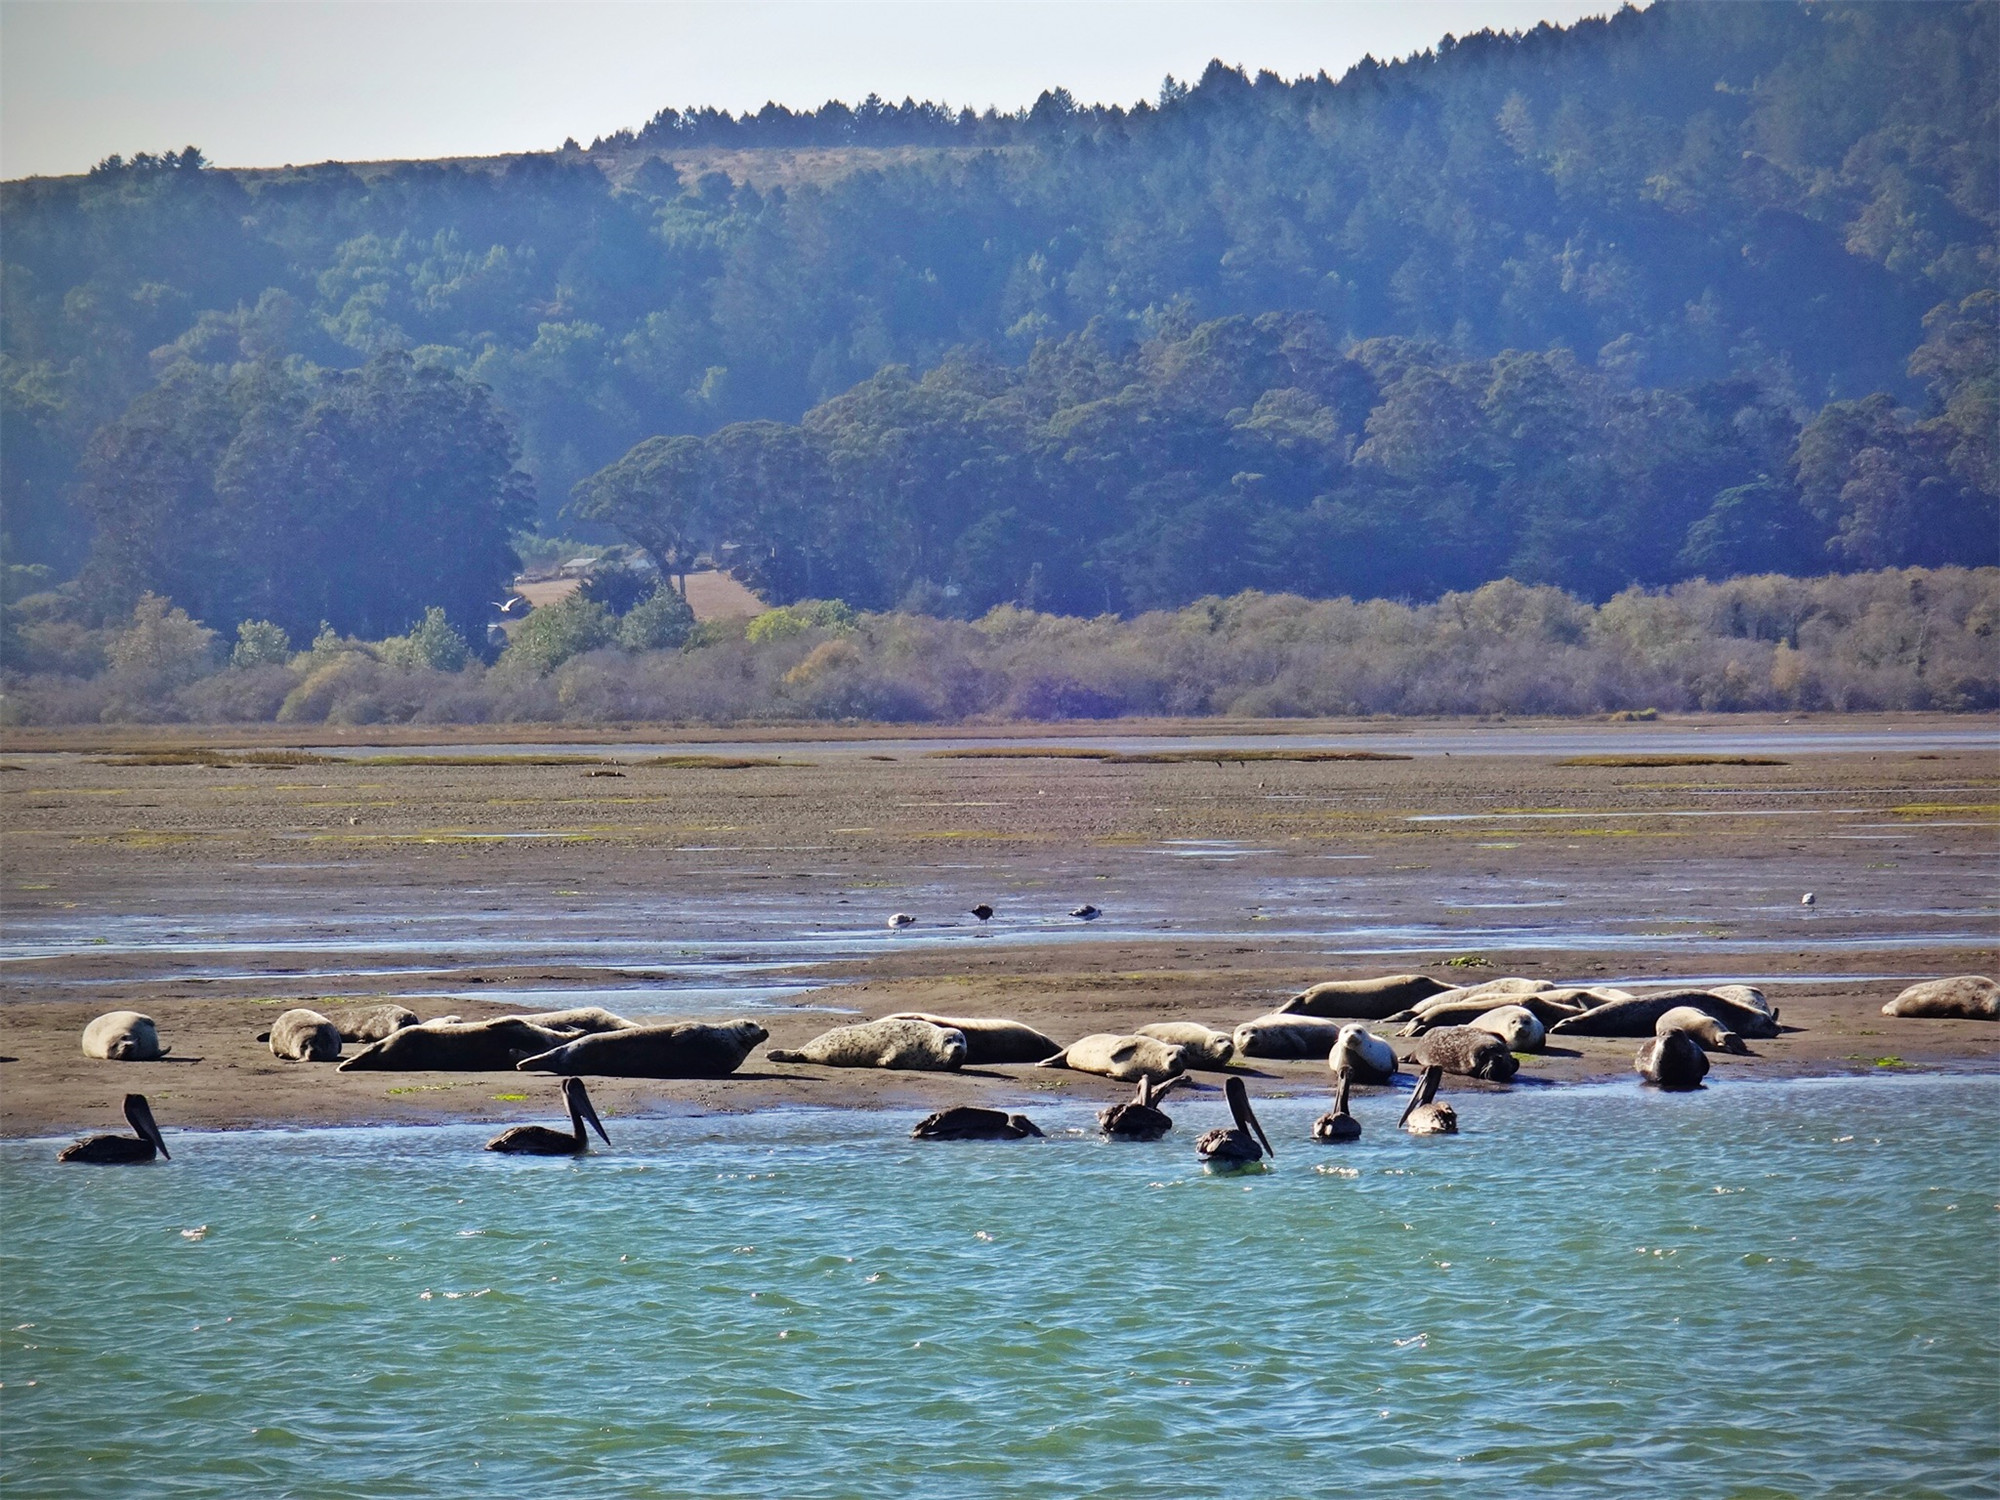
264 82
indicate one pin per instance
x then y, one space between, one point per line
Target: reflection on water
1601 1291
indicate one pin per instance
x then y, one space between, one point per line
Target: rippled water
1772 1289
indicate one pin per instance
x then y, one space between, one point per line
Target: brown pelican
539 1140
1337 1124
122 1148
1137 1119
968 1122
1240 1146
1423 1117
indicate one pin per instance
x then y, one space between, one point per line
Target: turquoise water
1756 1290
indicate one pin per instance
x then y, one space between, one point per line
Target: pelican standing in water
122 1148
1337 1124
1242 1146
1423 1117
1138 1118
539 1140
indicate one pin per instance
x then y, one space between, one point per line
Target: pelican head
1423 1093
140 1115
1239 1107
581 1110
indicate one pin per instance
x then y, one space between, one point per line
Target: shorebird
539 1140
1807 899
983 912
1242 1146
122 1148
902 919
1086 913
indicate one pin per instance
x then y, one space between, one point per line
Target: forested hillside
1698 290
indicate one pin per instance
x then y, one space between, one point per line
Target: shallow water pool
1758 1289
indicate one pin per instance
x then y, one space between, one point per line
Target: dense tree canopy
1632 299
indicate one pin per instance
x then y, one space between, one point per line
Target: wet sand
212 895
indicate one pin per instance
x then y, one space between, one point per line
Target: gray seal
1124 1059
370 1023
123 1036
1712 1035
1207 1049
686 1049
455 1047
1466 1050
1637 1016
914 1045
1963 997
1363 999
1287 1034
1673 1061
305 1036
990 1039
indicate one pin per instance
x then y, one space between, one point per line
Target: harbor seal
1207 1049
685 1049
1466 1050
580 1021
1743 994
968 1122
913 1045
123 1036
1637 1016
989 1039
1362 1056
1964 997
1548 1007
1362 999
305 1036
455 1047
370 1023
1285 1034
1673 1060
1520 1028
1704 1028
1124 1059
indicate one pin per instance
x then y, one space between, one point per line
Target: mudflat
212 880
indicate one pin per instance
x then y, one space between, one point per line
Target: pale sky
265 82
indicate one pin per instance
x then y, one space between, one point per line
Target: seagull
1086 913
1807 899
511 603
983 912
902 919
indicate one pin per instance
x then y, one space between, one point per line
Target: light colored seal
1637 1016
1964 997
123 1036
913 1045
1125 1059
305 1036
1704 1028
1673 1061
1520 1028
1466 1050
1362 1056
990 1039
1548 1007
1363 999
687 1049
455 1047
1743 994
1207 1048
370 1023
1285 1034
580 1021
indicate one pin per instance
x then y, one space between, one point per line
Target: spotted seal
1124 1059
990 1039
455 1047
1466 1050
1637 1016
913 1045
370 1023
1673 1060
1287 1034
684 1049
305 1036
1207 1048
1963 997
1704 1028
1362 999
1362 1056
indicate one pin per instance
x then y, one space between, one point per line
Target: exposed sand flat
213 895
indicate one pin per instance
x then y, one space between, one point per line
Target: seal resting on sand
455 1047
1712 1035
1637 1016
1207 1048
1462 1008
989 1039
305 1036
1363 999
914 1045
686 1049
578 1021
1466 1050
1362 1056
968 1122
1673 1060
1515 1025
1123 1059
1286 1034
1964 997
123 1036
370 1023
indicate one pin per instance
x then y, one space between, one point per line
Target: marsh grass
1641 761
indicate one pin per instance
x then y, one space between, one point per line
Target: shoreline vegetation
1912 639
